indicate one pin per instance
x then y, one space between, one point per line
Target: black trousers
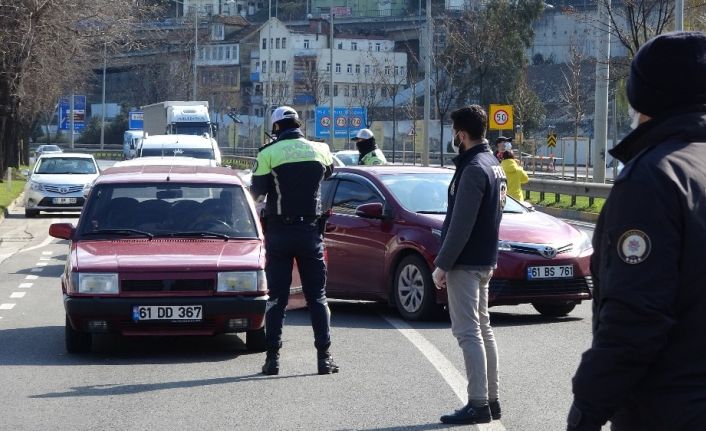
285 243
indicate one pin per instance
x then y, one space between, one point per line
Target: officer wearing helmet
369 153
289 173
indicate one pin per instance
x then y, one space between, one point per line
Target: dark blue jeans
284 243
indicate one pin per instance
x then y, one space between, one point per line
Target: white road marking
31 277
44 243
450 374
25 285
7 306
47 253
41 263
36 270
14 295
45 258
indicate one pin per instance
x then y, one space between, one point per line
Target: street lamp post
196 53
103 101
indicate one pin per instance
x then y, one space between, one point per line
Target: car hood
532 227
166 255
65 179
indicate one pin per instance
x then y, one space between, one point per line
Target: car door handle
330 227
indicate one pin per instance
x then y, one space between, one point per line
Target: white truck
177 118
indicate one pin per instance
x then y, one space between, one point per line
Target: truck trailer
177 118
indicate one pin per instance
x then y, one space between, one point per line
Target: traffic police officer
289 173
369 152
646 368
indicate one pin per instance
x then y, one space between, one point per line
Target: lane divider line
41 264
31 277
7 306
45 258
25 285
448 371
14 295
44 243
47 253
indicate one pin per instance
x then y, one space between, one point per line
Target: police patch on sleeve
634 246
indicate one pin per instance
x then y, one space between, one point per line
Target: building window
277 43
284 43
335 90
257 66
370 46
264 67
220 53
227 52
306 43
357 69
387 70
367 69
284 66
346 91
264 43
349 68
383 92
286 91
377 46
397 70
201 54
354 91
340 45
327 91
354 46
277 65
372 91
328 67
338 67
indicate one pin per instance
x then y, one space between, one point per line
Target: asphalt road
394 375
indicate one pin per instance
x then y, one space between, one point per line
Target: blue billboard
135 120
347 121
79 113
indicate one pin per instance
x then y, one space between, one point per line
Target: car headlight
98 283
242 281
37 187
504 245
583 244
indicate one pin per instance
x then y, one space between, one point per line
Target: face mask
456 144
635 116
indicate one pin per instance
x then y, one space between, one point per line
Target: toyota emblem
63 190
548 252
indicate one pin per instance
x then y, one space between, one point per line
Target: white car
198 147
163 161
57 182
348 157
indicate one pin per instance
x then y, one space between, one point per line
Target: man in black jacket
646 368
467 257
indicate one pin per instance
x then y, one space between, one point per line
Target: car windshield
197 153
168 209
348 159
427 193
191 128
48 148
65 165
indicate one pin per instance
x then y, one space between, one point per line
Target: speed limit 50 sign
500 117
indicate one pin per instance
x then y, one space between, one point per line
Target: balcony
304 99
255 77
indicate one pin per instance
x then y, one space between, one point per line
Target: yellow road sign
551 140
500 117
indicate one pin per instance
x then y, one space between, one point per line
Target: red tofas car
164 250
384 233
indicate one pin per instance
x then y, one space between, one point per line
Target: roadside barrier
570 188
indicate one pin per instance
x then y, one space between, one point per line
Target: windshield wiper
125 232
200 234
431 212
512 212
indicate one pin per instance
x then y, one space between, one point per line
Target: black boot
495 411
271 367
469 415
326 363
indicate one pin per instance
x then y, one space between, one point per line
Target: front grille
197 285
536 249
62 189
509 288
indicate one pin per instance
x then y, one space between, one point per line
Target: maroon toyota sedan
164 250
385 229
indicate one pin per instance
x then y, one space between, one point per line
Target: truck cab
189 120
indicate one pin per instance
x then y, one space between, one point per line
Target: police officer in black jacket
646 368
289 172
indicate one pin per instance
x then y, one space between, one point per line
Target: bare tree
528 109
633 22
573 94
387 73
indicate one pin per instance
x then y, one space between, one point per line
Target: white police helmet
363 134
283 113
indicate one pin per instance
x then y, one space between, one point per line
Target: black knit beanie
668 72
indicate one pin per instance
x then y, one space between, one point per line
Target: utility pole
71 119
103 102
600 121
194 92
679 15
332 117
427 87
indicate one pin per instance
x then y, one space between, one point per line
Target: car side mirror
25 172
371 210
61 230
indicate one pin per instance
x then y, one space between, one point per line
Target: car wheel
31 213
414 290
554 310
255 340
76 341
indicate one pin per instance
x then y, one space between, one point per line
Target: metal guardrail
570 188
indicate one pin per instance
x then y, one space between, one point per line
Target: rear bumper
117 313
